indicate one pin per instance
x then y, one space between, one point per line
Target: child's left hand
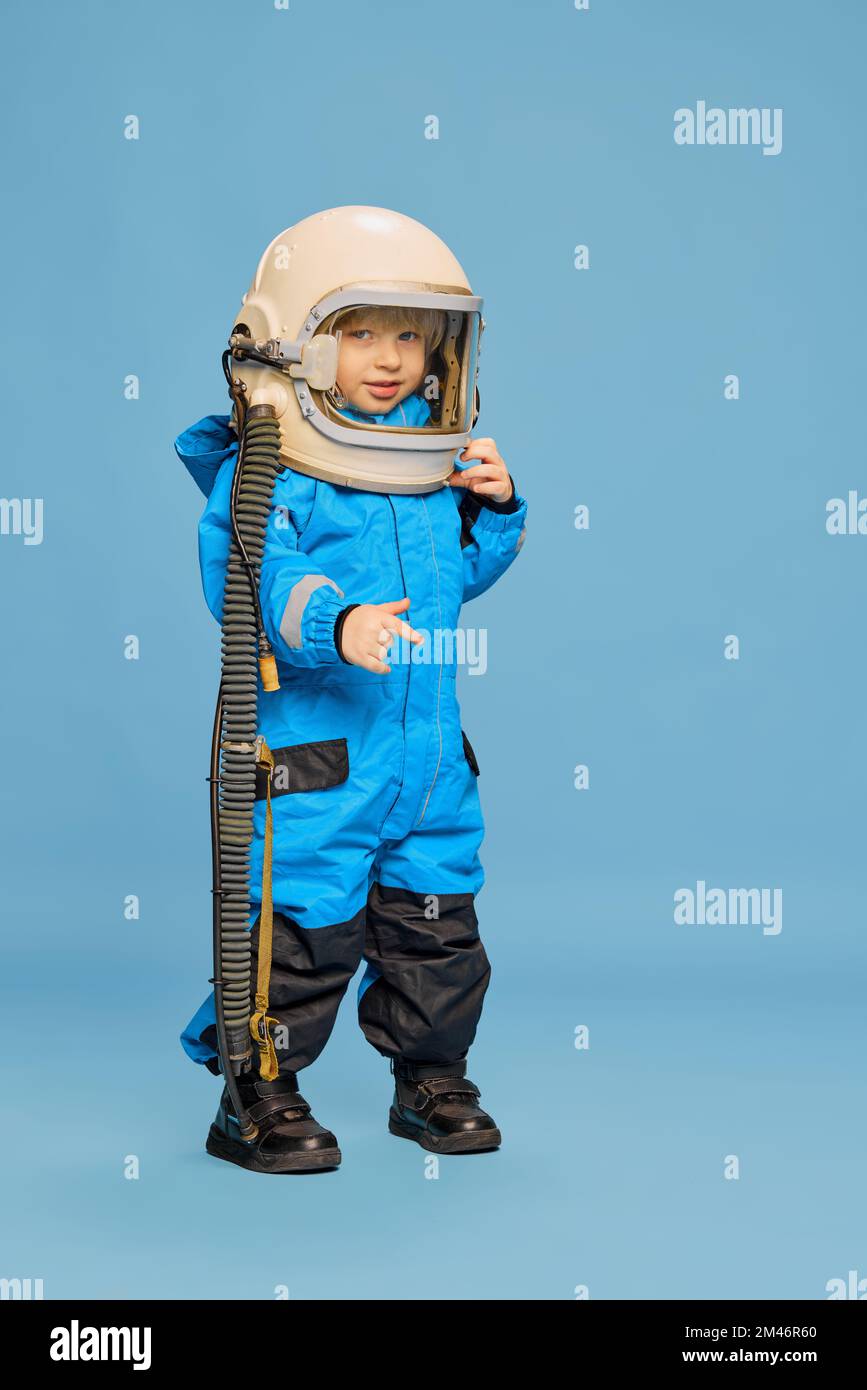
489 478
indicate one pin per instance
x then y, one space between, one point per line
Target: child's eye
408 333
357 332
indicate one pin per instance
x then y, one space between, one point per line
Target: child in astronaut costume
374 540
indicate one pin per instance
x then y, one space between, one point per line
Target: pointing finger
403 629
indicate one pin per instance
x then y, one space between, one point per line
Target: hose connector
267 665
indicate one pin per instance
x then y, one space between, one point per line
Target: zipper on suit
408 673
440 680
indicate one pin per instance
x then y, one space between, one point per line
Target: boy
377 820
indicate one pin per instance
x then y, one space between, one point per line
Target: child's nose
389 353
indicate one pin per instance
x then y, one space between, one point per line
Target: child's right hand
369 630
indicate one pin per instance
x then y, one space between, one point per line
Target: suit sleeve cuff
321 613
512 505
338 629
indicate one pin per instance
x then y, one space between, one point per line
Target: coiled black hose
233 756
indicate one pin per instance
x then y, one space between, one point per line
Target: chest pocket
305 767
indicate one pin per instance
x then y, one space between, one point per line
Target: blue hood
205 446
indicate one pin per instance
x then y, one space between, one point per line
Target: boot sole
470 1141
302 1162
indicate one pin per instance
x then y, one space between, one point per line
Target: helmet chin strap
335 397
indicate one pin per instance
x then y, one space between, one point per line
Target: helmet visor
407 364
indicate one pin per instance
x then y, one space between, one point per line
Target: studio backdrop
662 206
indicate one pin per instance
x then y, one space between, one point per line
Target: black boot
435 1104
289 1139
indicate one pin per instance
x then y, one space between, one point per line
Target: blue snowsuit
377 821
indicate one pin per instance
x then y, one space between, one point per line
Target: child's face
379 366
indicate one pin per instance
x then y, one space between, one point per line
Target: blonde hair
430 323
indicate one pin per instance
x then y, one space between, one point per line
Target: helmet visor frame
450 389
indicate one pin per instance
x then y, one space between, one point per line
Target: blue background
605 647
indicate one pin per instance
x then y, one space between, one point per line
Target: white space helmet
285 343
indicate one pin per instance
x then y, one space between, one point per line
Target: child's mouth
382 389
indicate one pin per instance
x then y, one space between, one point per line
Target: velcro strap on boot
444 1085
428 1071
286 1081
271 1105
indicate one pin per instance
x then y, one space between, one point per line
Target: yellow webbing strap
260 1022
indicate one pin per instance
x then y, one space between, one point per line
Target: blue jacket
361 547
394 783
